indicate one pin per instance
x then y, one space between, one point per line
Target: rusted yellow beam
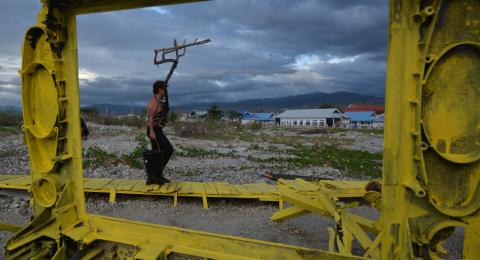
287 213
94 6
9 227
190 242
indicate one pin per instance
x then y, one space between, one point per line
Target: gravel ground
230 161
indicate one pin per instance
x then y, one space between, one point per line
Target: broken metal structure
179 51
431 172
204 190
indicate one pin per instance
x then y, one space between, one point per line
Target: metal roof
311 113
378 118
247 115
257 116
364 116
263 116
364 107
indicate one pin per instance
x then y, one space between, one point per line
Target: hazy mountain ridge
312 100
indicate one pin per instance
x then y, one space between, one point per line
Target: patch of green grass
7 130
134 121
97 157
203 153
255 147
135 158
254 126
350 161
377 131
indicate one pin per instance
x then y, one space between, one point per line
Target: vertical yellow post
113 196
431 166
175 199
204 200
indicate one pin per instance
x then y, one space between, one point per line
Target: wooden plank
308 186
111 185
267 188
7 177
260 188
126 185
185 187
242 189
320 205
162 188
156 188
345 184
203 189
292 184
233 190
172 187
19 181
86 181
291 212
210 188
140 185
198 188
222 188
251 188
97 184
152 187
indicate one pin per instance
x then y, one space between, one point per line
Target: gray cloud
260 49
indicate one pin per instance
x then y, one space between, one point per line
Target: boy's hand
151 135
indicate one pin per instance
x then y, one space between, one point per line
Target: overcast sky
259 49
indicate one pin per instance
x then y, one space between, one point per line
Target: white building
329 117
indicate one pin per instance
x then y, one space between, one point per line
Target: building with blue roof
248 117
364 119
378 121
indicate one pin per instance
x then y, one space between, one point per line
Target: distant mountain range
312 100
117 109
4 108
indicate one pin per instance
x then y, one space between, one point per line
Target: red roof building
364 107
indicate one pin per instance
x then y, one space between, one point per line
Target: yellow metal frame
414 219
61 228
432 57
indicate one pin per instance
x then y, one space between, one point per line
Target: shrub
10 118
197 129
135 121
255 126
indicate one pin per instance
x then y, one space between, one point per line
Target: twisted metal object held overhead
179 51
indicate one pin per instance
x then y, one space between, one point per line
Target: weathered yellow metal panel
431 175
94 6
287 213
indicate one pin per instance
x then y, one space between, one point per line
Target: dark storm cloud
260 48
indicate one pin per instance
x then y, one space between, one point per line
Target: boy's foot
164 180
150 182
160 181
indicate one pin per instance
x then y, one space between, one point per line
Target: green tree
173 116
326 105
233 115
214 113
89 111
